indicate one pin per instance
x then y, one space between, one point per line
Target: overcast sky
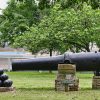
3 4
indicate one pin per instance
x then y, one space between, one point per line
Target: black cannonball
0 83
3 77
7 83
1 71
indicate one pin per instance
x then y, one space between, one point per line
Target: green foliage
43 37
61 30
78 4
30 40
95 4
70 29
48 26
17 18
79 27
44 4
48 32
87 27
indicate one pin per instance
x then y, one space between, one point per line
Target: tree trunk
87 48
99 49
50 52
50 71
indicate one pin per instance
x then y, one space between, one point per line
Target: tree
17 18
55 29
96 28
29 41
77 28
78 4
67 29
44 34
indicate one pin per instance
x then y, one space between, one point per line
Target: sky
3 4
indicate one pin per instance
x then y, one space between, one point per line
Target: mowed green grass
40 86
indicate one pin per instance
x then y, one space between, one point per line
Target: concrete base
6 89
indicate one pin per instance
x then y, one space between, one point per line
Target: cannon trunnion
89 61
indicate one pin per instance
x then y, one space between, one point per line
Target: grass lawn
40 86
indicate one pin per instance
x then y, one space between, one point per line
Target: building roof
14 55
10 54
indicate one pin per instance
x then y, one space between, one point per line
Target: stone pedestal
66 78
96 82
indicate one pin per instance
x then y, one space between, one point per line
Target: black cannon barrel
89 61
49 63
84 62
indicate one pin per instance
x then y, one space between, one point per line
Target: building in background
8 54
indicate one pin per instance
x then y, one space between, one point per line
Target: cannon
89 61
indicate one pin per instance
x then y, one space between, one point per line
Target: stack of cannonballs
66 78
5 82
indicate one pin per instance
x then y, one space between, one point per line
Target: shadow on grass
88 89
84 89
38 89
51 89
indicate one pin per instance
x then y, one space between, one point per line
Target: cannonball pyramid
4 79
